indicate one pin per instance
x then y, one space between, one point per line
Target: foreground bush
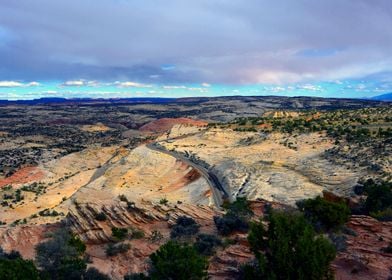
119 233
205 244
62 257
236 218
378 203
324 214
94 274
177 261
289 249
13 267
184 227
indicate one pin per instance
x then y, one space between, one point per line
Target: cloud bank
207 41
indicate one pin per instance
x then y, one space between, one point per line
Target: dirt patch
23 176
99 127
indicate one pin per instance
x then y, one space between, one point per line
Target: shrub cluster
236 218
12 266
62 257
378 203
205 244
324 214
119 233
288 249
184 227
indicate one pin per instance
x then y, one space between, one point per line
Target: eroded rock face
24 238
146 217
365 257
275 167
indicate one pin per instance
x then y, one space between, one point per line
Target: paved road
218 191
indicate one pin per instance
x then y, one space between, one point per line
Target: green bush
119 233
94 274
184 227
101 216
379 199
236 218
324 214
384 215
137 233
206 243
18 269
136 276
61 257
289 249
177 261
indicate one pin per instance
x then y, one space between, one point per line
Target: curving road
219 193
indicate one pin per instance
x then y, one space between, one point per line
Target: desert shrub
137 233
184 227
156 236
251 270
379 199
240 206
231 222
61 257
163 201
101 216
384 215
324 214
17 269
48 213
178 261
115 249
94 274
136 276
236 218
289 249
206 243
119 233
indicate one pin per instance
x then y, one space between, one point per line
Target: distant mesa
383 97
165 124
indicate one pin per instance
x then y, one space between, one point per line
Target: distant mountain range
298 102
383 97
59 100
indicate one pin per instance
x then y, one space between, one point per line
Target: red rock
165 124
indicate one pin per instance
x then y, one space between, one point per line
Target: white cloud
205 84
80 83
10 84
132 84
76 83
310 87
174 87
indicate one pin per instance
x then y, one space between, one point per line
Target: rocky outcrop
165 124
365 256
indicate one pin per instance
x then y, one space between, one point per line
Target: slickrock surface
267 166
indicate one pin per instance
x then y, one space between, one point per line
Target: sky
174 48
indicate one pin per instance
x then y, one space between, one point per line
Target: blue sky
172 48
117 89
